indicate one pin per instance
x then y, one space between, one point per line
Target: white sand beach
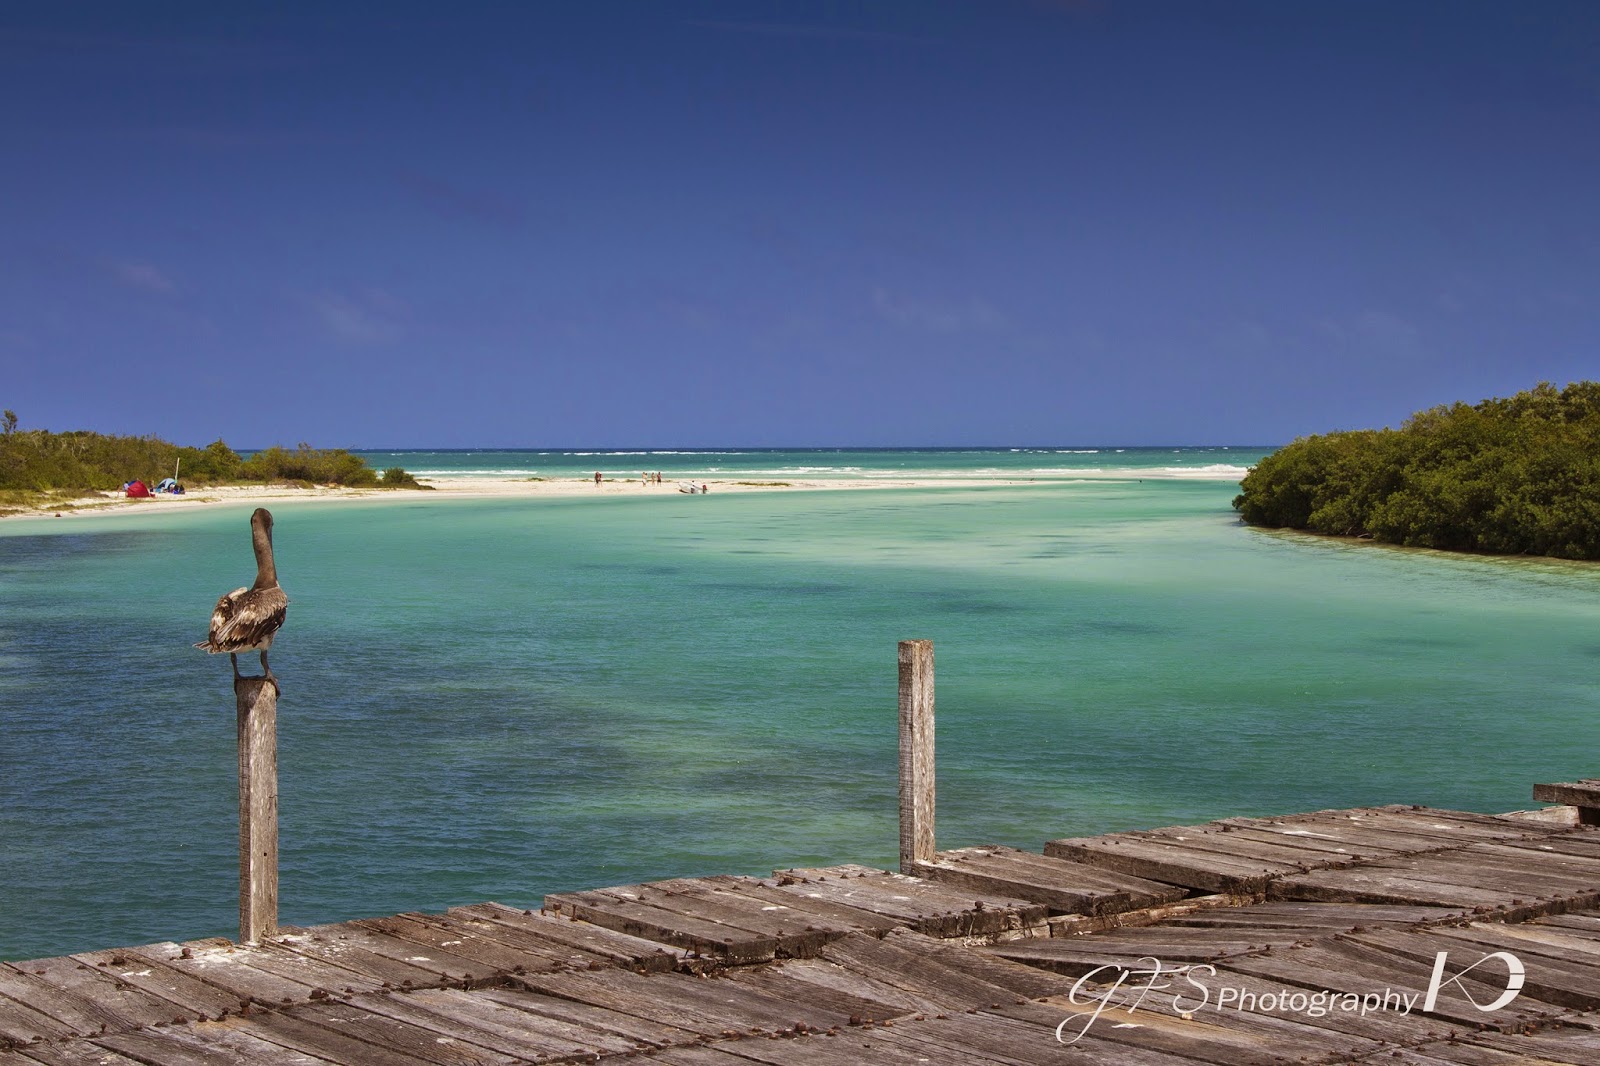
104 503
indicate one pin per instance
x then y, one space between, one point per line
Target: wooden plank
1339 840
572 941
488 958
96 1001
144 969
1473 877
286 1030
1077 956
729 943
257 713
916 753
834 916
928 908
1329 917
988 1037
1235 1039
204 1044
21 1024
243 973
1285 850
68 1053
1018 980
1571 1046
1368 885
387 960
1443 825
706 1006
1170 863
1081 924
1061 885
906 964
1572 793
477 1019
543 1011
796 932
835 986
434 1039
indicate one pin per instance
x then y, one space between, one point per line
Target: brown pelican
246 619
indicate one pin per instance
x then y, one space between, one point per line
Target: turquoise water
496 699
841 464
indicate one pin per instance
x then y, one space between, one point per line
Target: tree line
37 460
1519 475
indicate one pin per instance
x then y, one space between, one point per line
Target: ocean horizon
503 697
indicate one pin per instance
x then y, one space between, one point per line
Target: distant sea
499 698
831 464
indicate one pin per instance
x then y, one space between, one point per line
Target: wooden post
916 754
257 698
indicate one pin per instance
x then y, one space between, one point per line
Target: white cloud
144 277
970 315
367 316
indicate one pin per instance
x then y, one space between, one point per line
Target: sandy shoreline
114 503
477 488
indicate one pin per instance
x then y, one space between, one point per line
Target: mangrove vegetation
1515 475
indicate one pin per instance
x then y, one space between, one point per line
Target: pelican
247 619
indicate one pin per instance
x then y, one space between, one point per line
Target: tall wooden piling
916 753
257 699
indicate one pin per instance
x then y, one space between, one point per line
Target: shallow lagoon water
497 699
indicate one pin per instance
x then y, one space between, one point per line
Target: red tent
138 489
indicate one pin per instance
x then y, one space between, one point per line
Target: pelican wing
246 619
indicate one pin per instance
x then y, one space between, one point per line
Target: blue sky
604 223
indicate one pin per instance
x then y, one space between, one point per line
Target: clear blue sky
760 223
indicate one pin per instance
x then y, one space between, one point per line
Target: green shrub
1516 475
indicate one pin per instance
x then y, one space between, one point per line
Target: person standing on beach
597 477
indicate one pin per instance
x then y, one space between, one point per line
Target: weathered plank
437 1040
21 1024
1584 795
936 910
835 916
1238 1038
544 1011
1077 956
386 960
796 932
144 968
285 1030
1062 886
88 999
522 1031
204 1044
613 909
705 1006
1158 859
68 1053
1330 917
256 974
916 753
257 713
905 963
564 939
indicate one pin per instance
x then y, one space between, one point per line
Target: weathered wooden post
257 699
916 754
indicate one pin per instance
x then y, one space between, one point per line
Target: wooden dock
988 955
